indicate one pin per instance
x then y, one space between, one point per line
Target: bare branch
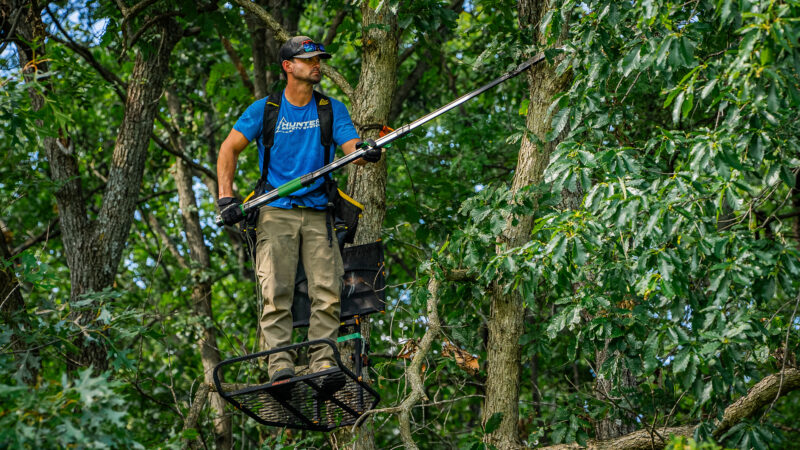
9 35
282 36
205 170
131 12
194 411
150 22
165 239
337 20
50 231
237 62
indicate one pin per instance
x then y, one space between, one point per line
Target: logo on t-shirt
284 126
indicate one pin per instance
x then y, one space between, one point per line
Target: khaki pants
283 236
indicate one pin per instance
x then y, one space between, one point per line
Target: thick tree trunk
367 184
201 291
93 249
506 319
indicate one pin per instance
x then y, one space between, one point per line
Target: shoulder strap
271 109
325 113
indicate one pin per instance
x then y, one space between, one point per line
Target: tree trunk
93 248
615 425
201 291
263 43
13 314
507 313
367 184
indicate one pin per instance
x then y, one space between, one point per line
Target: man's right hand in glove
373 153
230 208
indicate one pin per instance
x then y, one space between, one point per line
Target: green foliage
664 232
684 443
85 411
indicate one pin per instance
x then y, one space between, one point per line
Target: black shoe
282 376
281 390
332 384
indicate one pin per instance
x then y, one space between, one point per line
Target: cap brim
322 55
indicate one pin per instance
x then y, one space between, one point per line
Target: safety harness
272 109
342 211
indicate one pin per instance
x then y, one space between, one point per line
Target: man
295 226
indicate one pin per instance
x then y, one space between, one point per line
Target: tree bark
201 290
507 312
264 44
616 424
93 248
367 184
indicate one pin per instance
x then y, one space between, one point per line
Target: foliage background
665 237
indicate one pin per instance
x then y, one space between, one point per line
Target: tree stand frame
300 402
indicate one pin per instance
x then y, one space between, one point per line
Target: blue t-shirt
296 149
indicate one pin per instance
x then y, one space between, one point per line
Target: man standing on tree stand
296 226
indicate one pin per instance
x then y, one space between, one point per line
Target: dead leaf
409 349
463 358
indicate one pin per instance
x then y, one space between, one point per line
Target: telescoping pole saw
305 180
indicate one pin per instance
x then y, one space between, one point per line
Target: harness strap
272 108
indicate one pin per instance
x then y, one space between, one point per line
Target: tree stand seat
298 402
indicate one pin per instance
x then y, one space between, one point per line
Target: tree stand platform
299 402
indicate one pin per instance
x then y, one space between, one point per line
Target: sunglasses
310 46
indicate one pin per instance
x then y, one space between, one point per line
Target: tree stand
300 402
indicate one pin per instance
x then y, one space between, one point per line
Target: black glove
230 208
373 153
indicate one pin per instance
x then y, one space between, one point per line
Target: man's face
306 69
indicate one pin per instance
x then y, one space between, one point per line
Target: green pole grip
292 186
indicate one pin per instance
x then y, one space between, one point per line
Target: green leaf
494 422
190 434
579 253
523 107
687 105
681 360
677 107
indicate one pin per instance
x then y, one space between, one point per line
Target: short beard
309 79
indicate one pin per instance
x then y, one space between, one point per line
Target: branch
423 64
8 35
166 240
337 20
410 83
282 36
759 396
52 230
152 21
414 369
238 63
205 170
117 84
131 12
194 412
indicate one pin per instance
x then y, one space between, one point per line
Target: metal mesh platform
299 402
